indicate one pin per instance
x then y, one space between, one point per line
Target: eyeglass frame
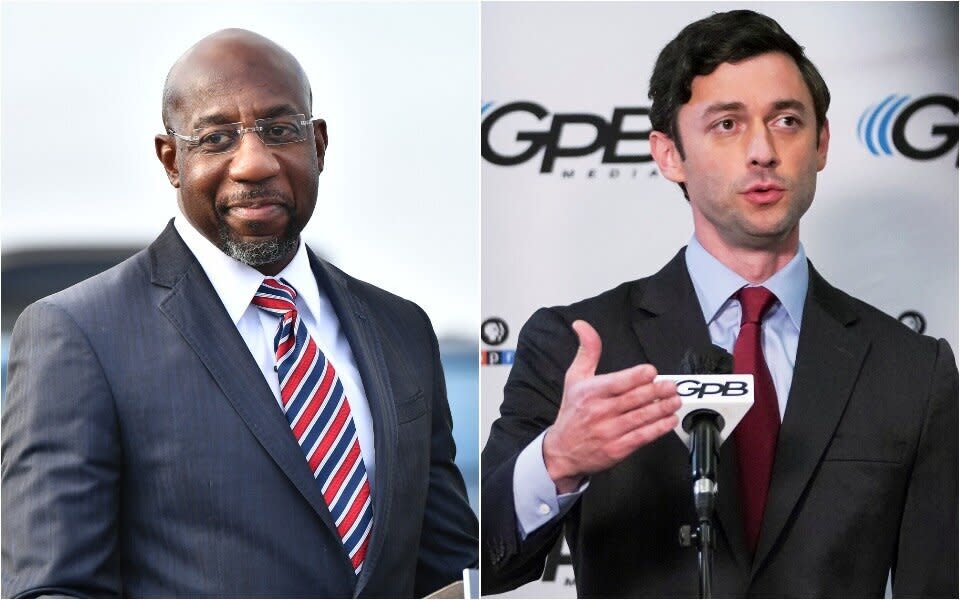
194 140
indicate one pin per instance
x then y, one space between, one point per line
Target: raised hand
603 418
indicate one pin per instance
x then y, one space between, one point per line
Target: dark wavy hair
704 45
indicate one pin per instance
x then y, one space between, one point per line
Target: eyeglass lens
216 139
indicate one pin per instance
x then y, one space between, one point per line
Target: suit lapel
829 358
669 321
193 307
361 331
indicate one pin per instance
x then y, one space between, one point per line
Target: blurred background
81 188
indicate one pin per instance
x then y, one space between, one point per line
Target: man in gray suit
176 427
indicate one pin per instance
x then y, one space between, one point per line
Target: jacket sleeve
448 542
531 399
926 564
61 463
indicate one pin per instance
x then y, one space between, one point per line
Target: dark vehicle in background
30 275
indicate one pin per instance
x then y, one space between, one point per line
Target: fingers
585 362
645 415
642 395
611 395
620 382
625 444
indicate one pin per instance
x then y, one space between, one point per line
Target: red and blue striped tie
317 409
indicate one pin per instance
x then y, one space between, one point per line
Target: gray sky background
397 83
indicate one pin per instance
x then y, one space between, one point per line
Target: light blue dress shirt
534 494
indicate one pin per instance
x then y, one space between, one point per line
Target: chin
769 237
260 251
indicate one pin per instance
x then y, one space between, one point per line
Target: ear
665 152
166 146
823 142
320 139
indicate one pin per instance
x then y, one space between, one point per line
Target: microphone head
709 389
709 360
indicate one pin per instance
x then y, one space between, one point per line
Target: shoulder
608 312
606 305
603 307
548 338
878 327
613 311
104 296
402 327
373 295
380 303
894 349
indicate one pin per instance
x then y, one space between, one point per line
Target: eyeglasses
218 139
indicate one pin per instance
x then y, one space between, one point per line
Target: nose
253 160
761 151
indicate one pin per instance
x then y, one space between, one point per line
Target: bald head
220 60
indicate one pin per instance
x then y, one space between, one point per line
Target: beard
264 252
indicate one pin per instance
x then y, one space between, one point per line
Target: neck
755 264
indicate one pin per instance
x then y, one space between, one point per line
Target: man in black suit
165 434
845 468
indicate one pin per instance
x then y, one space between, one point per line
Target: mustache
254 196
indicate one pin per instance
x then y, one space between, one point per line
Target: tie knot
754 303
275 296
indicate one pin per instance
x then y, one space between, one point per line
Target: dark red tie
756 435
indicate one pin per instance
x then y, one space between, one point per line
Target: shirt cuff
535 498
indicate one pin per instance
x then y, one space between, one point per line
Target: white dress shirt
236 283
535 495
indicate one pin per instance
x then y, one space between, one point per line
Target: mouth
256 205
257 211
764 193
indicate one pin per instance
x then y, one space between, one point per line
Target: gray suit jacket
144 454
865 476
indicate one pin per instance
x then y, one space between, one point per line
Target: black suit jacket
865 476
144 453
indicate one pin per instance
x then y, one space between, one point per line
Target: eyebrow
719 107
219 118
782 104
790 103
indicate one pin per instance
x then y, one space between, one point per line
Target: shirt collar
236 282
714 282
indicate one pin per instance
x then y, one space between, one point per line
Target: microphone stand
704 427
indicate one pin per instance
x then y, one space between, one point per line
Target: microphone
713 402
705 383
704 426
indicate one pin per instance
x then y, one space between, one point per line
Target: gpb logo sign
692 387
887 126
606 135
